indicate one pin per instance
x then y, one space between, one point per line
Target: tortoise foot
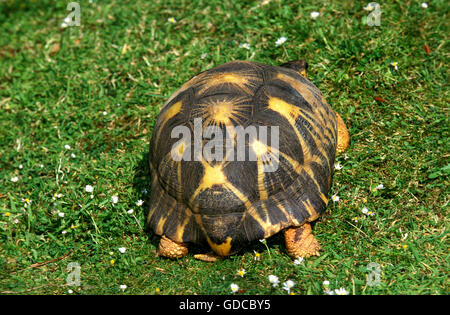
300 242
208 257
170 249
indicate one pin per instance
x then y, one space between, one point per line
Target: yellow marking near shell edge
221 249
170 113
313 215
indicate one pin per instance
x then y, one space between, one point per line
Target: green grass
56 83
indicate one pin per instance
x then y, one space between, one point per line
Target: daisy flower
89 188
314 15
335 198
341 291
280 41
274 280
26 202
369 7
115 199
139 203
245 45
365 210
288 285
257 256
234 287
241 272
171 20
298 261
14 179
395 65
355 219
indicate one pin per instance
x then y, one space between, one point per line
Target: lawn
77 109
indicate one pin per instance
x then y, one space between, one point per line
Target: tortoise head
298 65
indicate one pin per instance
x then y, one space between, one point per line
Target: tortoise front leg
300 242
170 249
343 138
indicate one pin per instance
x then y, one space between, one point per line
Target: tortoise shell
229 202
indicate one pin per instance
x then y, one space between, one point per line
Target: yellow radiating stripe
162 220
170 113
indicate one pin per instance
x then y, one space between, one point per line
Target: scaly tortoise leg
300 242
170 249
343 138
208 257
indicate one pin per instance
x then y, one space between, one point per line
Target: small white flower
369 7
329 292
380 186
395 65
371 213
122 249
298 261
241 272
203 56
234 287
118 104
335 198
73 155
17 221
338 166
280 41
14 179
67 147
123 287
314 15
69 291
341 291
115 199
274 280
130 211
263 240
105 113
89 188
345 156
63 232
326 283
20 166
144 191
288 285
365 210
424 5
355 219
92 196
41 166
61 214
139 203
171 20
245 45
